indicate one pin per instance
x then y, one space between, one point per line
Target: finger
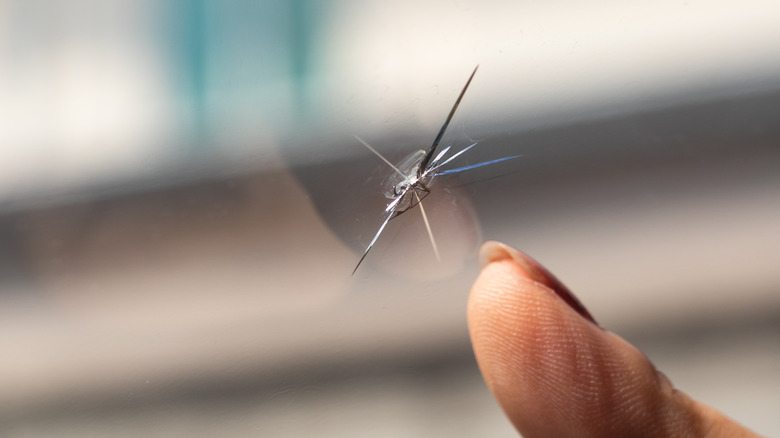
555 372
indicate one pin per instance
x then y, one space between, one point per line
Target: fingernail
492 251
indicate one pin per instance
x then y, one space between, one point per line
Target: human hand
556 373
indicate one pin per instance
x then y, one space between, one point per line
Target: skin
556 373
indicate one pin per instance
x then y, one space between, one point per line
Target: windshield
184 196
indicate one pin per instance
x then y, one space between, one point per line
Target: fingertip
555 373
548 367
529 268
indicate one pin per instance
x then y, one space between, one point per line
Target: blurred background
182 201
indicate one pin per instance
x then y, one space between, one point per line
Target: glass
183 199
